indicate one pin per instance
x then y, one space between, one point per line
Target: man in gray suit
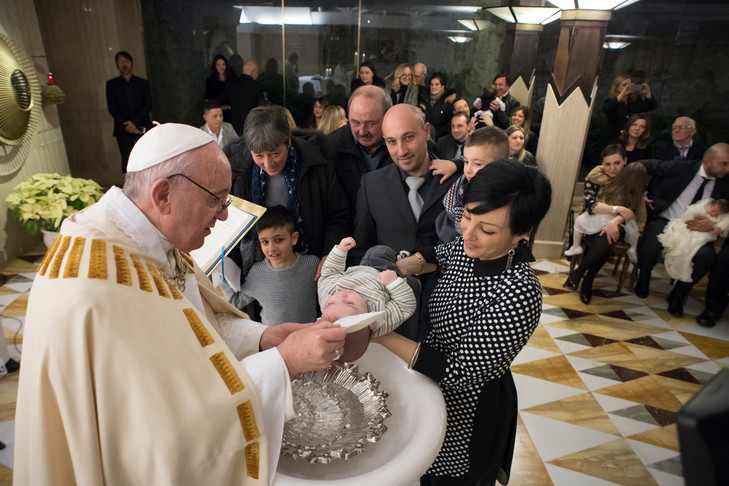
221 131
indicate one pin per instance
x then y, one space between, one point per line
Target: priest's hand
313 348
275 335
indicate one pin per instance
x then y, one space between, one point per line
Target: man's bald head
406 137
251 69
420 71
682 130
716 160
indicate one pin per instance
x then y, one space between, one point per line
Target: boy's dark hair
277 217
723 205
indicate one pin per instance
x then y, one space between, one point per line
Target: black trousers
126 144
597 253
705 261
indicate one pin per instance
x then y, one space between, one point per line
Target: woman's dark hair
215 61
439 76
524 189
369 65
612 149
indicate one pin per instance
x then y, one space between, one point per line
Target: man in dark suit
682 144
358 147
242 93
451 145
386 213
675 185
129 101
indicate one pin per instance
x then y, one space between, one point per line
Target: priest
135 370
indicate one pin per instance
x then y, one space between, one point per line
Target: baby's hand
386 277
346 244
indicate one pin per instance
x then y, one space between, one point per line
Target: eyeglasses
405 75
223 204
682 127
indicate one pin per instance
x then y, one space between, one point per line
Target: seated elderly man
682 144
131 371
271 167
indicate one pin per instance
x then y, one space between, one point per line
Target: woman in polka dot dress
482 313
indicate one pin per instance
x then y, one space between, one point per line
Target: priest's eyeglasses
223 204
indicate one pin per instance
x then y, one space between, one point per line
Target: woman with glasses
404 88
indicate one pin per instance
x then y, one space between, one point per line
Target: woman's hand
645 90
626 213
612 231
623 95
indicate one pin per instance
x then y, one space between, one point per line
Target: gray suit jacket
383 215
229 136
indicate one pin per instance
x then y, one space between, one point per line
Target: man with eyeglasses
683 145
135 369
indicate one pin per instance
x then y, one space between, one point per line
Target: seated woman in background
517 151
635 137
404 88
623 203
483 311
367 76
332 118
522 117
316 111
215 83
625 99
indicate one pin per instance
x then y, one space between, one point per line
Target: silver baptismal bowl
338 411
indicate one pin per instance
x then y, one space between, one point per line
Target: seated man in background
682 144
676 184
451 145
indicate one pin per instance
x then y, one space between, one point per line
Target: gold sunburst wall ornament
20 98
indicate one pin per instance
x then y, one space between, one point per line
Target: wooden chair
620 255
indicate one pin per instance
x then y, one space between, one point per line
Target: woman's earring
510 253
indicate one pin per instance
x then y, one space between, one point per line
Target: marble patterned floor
599 385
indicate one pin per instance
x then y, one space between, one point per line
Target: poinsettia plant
43 201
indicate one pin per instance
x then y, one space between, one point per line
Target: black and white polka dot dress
481 315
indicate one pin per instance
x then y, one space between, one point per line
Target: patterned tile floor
599 385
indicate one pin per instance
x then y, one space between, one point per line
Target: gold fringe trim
141 274
58 259
49 256
198 328
74 258
190 263
248 420
123 273
97 260
173 290
227 372
253 456
159 282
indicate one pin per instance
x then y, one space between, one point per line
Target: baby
680 244
362 289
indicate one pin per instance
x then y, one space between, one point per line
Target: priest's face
193 211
